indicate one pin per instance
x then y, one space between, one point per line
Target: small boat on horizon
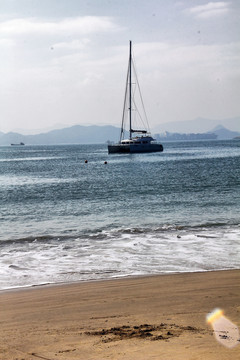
139 140
20 144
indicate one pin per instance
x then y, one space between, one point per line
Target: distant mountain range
76 134
198 125
219 133
79 134
224 134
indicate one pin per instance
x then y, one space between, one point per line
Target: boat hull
133 149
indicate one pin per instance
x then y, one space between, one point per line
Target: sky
64 62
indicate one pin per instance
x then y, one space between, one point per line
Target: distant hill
219 133
72 135
198 125
11 137
79 134
223 133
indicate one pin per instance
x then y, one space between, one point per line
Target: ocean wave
118 253
106 232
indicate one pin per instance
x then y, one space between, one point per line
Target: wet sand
156 317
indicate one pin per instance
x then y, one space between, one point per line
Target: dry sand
156 317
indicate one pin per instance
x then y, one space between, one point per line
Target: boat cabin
138 140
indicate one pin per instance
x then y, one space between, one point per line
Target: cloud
211 9
72 45
7 42
194 78
70 26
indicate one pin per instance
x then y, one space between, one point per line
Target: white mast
130 90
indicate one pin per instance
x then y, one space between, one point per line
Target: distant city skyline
65 61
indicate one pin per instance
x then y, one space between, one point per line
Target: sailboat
139 140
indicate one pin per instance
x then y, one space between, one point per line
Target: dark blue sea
64 220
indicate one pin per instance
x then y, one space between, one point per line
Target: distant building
167 136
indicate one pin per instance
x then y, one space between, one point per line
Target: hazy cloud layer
70 26
210 10
73 69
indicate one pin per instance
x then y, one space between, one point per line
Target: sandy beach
157 317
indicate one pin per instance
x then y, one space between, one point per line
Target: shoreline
146 317
47 285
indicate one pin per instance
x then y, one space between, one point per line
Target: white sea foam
119 254
37 158
8 181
